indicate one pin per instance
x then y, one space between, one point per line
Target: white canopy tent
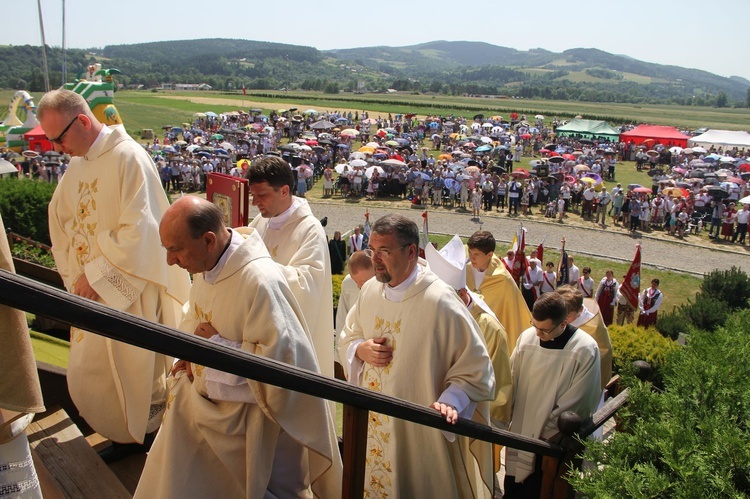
721 138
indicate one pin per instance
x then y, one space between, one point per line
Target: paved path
658 251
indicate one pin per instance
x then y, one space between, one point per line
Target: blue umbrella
211 114
483 148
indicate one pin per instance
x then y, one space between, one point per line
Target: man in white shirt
355 241
741 229
588 202
602 205
532 283
574 272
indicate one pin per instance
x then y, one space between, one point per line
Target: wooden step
78 470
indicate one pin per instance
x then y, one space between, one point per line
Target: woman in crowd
606 296
337 251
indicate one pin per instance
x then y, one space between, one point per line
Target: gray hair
405 230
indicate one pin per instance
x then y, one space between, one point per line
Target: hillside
455 68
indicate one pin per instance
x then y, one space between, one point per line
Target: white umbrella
357 155
699 150
7 167
192 147
675 150
351 132
486 140
370 171
305 147
358 163
726 159
340 167
393 162
745 200
487 125
539 117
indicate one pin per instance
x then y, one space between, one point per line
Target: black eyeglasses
58 140
545 331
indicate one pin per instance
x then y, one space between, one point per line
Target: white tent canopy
721 138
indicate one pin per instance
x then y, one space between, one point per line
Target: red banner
631 286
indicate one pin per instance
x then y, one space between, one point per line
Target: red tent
665 135
36 136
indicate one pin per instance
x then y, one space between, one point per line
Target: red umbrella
544 151
569 157
311 142
554 153
525 135
744 167
645 190
520 172
735 180
397 156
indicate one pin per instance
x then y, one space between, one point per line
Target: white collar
397 293
211 276
98 141
277 222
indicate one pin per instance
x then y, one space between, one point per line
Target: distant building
185 86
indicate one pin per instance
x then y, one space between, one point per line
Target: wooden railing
26 294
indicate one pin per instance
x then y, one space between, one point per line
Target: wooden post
355 450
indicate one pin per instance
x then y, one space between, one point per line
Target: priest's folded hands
375 352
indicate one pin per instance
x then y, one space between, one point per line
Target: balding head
360 268
193 233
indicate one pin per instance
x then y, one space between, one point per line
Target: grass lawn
50 350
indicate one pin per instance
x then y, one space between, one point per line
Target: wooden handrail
25 294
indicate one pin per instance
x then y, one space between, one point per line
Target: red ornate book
232 195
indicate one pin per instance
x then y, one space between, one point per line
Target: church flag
562 273
540 252
631 285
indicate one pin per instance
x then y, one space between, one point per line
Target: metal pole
64 55
45 69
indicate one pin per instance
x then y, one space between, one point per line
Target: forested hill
435 67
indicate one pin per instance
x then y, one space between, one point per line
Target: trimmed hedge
631 343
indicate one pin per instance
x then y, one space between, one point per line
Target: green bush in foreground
691 439
631 343
23 205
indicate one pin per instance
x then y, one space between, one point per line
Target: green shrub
705 313
631 343
23 205
689 440
730 286
672 324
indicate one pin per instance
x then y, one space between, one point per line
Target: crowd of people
462 335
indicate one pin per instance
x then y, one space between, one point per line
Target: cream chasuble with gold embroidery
299 246
104 222
436 343
218 448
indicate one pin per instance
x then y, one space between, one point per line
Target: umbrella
311 142
445 156
696 174
744 167
393 162
473 171
371 171
539 117
340 167
697 163
192 148
723 172
485 140
645 190
745 200
311 111
652 153
391 143
675 192
726 159
521 172
525 135
358 163
570 179
356 155
679 170
587 180
557 159
211 114
217 136
483 148
450 183
305 147
349 131
304 171
717 192
687 150
699 150
581 168
597 178
322 125
366 150
676 149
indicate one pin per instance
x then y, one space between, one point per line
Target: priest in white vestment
104 226
297 243
410 336
555 369
226 436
